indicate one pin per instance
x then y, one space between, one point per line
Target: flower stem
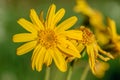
85 72
47 74
69 73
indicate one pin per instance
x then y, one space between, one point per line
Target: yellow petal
24 37
68 23
105 53
50 16
68 47
40 59
80 47
92 57
41 17
74 34
68 51
35 55
59 59
26 47
48 58
118 37
103 58
112 27
58 16
27 25
83 7
69 59
35 19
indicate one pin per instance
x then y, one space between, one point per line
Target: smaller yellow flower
93 49
82 7
95 17
95 20
100 68
48 38
114 37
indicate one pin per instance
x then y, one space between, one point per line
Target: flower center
88 36
47 38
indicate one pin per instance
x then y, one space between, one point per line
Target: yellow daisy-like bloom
95 20
82 7
100 68
48 38
114 37
95 17
93 50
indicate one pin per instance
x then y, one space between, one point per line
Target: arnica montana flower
100 68
93 50
114 37
95 20
95 17
105 34
48 38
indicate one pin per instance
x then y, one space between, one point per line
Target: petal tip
18 53
20 20
63 70
75 18
53 5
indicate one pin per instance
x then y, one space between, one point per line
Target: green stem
69 73
47 74
85 72
70 70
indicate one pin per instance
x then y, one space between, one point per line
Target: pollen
47 38
88 36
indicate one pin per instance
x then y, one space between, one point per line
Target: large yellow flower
93 50
48 38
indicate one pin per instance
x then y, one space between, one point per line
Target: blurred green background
13 67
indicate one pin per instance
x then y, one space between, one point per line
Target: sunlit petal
41 17
48 58
50 16
35 19
59 59
68 23
112 27
26 47
27 25
58 16
24 37
92 57
40 59
69 51
74 34
35 54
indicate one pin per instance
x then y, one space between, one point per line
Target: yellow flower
93 49
82 7
114 37
100 68
95 17
48 38
95 20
